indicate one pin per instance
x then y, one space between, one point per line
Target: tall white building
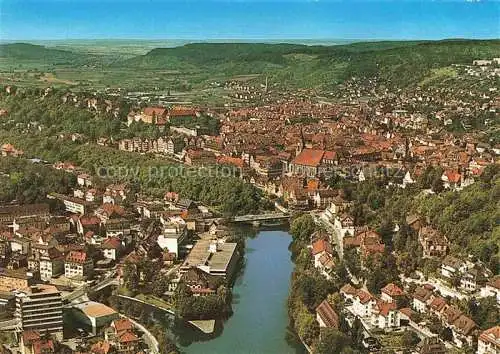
39 308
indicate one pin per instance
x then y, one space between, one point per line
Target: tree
410 339
302 227
485 312
446 334
357 333
331 341
307 327
437 185
131 277
159 284
312 289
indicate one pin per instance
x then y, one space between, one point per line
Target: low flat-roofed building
213 257
94 315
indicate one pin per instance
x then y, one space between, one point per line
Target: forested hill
31 52
402 63
399 63
26 52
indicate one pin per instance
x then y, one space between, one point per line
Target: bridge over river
261 217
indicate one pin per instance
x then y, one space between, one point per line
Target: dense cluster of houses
101 229
386 312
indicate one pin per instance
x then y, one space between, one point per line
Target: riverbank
259 323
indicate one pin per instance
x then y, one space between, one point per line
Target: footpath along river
259 322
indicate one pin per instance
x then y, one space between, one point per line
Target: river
259 322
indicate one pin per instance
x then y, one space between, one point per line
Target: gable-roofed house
492 288
420 298
344 224
464 329
112 248
323 256
489 341
364 303
326 315
78 264
122 335
391 292
385 315
200 282
452 266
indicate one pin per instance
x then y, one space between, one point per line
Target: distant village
288 148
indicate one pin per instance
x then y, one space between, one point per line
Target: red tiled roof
385 307
464 325
112 242
364 296
123 324
453 176
89 220
327 314
408 312
76 257
438 303
230 161
102 347
111 209
330 155
495 282
309 157
127 337
349 289
321 246
491 335
157 111
181 112
392 289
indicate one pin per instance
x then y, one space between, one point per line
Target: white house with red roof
385 315
391 292
322 253
122 335
489 341
363 304
78 264
451 179
112 248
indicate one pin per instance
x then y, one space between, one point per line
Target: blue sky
248 19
